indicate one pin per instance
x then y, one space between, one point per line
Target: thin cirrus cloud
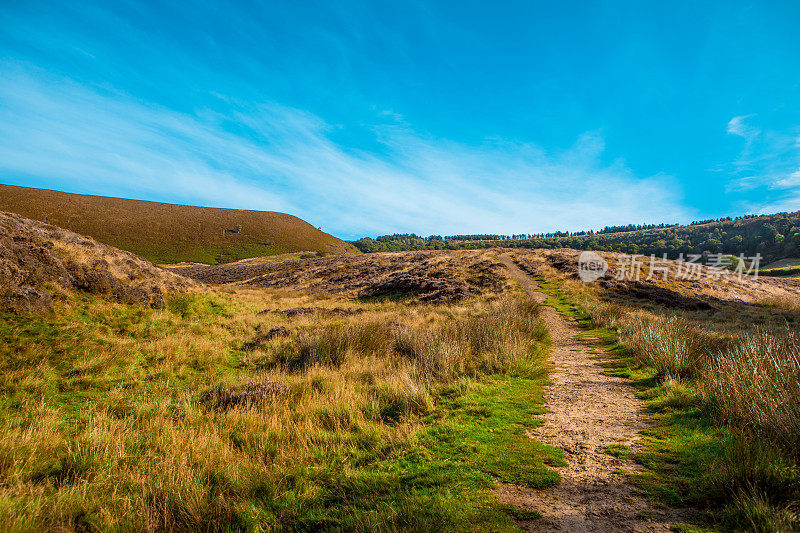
739 126
768 167
272 157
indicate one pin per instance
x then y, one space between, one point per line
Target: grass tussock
444 348
473 344
789 302
755 383
122 417
667 344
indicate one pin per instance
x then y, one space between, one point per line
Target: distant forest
773 236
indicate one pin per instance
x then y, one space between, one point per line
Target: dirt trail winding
589 411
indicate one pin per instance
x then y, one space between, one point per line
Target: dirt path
589 411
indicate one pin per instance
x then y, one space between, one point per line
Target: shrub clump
425 288
250 393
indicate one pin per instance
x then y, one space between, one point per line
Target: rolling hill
167 233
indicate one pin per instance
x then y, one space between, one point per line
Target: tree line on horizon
773 236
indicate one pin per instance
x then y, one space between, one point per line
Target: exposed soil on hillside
589 411
426 276
39 262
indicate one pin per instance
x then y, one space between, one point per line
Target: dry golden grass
782 301
104 423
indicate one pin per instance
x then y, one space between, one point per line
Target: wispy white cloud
791 182
272 157
739 126
767 169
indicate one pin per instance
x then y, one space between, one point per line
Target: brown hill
167 233
39 261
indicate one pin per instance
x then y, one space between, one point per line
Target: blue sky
367 118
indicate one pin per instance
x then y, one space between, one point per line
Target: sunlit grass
724 401
396 418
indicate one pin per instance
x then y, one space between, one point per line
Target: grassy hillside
773 236
213 413
166 233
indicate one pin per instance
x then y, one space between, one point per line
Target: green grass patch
444 477
620 451
559 299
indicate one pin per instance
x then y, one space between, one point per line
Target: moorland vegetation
721 383
379 391
253 408
167 233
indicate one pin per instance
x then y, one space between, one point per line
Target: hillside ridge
172 233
